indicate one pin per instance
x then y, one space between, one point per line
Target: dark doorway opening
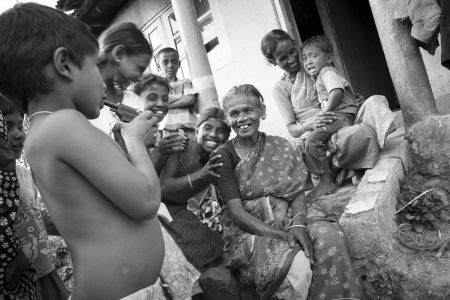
350 25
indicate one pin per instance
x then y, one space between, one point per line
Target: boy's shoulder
329 69
59 127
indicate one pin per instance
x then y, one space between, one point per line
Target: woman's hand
172 142
298 235
208 171
321 119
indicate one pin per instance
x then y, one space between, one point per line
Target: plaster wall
439 76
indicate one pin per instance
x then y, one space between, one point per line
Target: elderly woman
354 147
267 230
186 180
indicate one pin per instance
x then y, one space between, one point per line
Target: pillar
201 74
405 64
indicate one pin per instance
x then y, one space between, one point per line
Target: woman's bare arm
172 187
251 224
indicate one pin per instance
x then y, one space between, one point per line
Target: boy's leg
317 161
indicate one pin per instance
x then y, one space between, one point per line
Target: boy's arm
334 98
189 98
186 101
335 85
131 185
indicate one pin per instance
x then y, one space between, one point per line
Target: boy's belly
118 264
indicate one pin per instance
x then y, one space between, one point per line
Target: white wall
439 76
244 25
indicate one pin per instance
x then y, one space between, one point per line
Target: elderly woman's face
286 57
244 115
211 134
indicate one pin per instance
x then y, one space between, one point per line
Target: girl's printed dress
26 286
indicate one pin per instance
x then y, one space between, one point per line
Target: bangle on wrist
296 226
190 182
300 213
300 128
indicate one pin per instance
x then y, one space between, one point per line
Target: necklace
39 113
241 150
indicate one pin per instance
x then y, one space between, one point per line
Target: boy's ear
330 58
117 52
62 62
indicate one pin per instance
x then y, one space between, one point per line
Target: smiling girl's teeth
211 143
243 127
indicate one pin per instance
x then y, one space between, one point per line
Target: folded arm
250 223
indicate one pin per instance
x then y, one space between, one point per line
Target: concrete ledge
369 217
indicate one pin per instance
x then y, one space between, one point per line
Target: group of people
156 201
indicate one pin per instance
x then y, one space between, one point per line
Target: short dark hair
245 89
29 35
320 41
148 80
8 107
129 37
167 50
270 42
215 113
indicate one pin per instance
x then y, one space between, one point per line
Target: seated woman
261 180
188 175
354 147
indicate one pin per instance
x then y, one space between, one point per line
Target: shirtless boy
103 201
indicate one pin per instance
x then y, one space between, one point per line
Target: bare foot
322 188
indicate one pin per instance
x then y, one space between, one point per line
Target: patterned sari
270 176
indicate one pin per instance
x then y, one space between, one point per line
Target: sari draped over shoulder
262 262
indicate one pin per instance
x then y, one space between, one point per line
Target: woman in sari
272 240
353 147
186 188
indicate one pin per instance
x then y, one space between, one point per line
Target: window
162 31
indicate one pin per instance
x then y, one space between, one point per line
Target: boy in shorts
102 200
183 101
335 94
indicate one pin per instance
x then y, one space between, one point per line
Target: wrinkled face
286 57
244 116
314 59
16 135
169 63
90 88
156 99
131 67
211 134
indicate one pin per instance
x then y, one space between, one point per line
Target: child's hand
208 171
143 128
172 142
15 269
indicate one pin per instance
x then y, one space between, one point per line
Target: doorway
358 53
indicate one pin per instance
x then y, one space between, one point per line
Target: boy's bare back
103 201
95 197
